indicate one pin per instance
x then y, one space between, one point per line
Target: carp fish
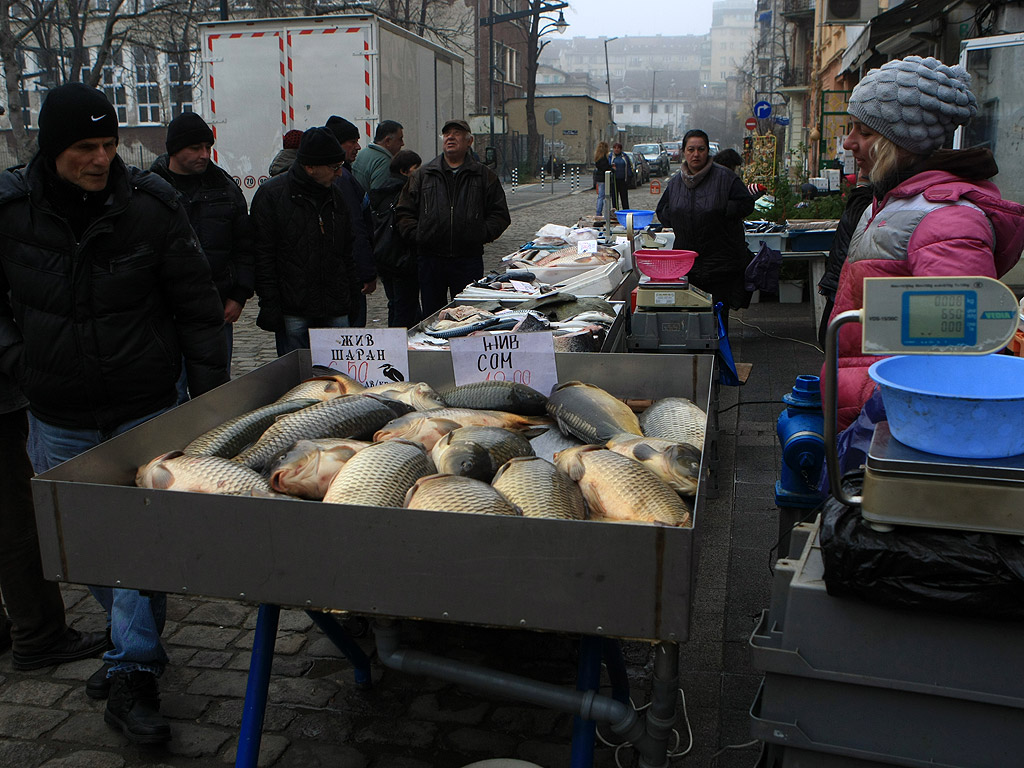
589 413
227 439
201 474
619 489
540 489
408 426
416 394
323 388
510 396
678 464
456 493
307 468
477 451
380 475
677 419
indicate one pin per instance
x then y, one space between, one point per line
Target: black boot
98 684
134 707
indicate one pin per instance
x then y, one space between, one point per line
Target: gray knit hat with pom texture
915 103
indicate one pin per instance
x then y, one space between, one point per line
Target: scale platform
670 294
904 486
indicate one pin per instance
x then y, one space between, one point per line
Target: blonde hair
601 151
887 159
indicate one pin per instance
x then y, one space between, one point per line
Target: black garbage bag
968 574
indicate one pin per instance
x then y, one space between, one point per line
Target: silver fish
323 388
622 490
550 442
347 416
677 419
508 396
678 464
477 451
407 425
418 394
201 474
455 493
540 489
380 475
589 413
227 439
307 468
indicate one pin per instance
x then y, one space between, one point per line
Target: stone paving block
204 636
218 683
272 746
316 755
291 620
189 740
229 715
177 677
396 733
181 706
301 691
455 709
210 659
28 722
39 693
471 741
77 701
17 754
179 655
77 670
178 607
286 643
91 622
330 726
285 666
87 758
219 613
89 728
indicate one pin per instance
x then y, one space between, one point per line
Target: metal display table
594 579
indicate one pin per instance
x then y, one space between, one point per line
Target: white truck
264 77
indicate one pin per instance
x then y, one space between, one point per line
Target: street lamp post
654 78
608 81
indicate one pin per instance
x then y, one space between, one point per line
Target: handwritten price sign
524 358
371 356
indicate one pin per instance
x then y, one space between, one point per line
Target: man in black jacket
216 208
103 291
306 275
450 208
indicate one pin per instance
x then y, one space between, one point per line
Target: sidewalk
316 715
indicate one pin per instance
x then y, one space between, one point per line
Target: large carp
201 474
455 493
380 475
677 419
678 464
540 489
478 451
227 439
589 413
307 468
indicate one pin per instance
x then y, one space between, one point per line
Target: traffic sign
553 117
762 110
751 124
780 120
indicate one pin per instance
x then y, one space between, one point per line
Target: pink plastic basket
664 265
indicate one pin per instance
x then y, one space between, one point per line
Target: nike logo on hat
96 119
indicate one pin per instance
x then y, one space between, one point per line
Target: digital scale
672 316
904 486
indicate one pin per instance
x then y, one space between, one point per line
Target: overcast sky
617 18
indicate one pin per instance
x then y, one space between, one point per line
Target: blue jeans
600 197
296 331
135 618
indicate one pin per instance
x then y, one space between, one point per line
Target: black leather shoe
71 646
5 634
98 684
134 708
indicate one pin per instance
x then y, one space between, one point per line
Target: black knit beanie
343 129
319 147
187 129
73 112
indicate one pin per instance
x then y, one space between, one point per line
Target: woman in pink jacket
934 211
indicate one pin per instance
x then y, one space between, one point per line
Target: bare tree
12 37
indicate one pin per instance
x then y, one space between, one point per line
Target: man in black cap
103 291
306 272
216 208
358 207
450 208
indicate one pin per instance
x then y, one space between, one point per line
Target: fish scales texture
227 439
307 468
590 413
200 474
417 394
540 489
675 418
380 475
619 489
478 451
455 493
678 464
347 416
508 396
323 388
464 417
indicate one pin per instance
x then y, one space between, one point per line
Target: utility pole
608 81
654 78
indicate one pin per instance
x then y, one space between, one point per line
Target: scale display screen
940 318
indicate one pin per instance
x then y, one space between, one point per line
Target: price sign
371 356
524 358
586 246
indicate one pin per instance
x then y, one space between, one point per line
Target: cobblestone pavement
318 717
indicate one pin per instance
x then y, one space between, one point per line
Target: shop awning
900 19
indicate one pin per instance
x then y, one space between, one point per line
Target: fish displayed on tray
496 448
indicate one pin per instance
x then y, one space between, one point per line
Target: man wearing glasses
450 208
306 272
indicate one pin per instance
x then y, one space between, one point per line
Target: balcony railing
798 8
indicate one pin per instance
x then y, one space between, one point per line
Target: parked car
656 157
641 169
675 150
713 148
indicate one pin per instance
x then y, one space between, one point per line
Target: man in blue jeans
104 290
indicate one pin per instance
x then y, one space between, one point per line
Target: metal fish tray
612 579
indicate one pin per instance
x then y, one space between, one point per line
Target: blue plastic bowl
641 219
955 405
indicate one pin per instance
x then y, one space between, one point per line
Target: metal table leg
330 627
255 707
588 678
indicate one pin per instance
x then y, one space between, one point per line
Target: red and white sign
751 124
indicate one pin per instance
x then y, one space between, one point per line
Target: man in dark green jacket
450 208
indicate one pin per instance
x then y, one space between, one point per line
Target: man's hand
369 287
232 311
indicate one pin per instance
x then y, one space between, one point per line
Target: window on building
147 87
654 109
113 85
506 59
179 72
618 109
636 109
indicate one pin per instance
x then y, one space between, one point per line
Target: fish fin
643 452
574 467
161 477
